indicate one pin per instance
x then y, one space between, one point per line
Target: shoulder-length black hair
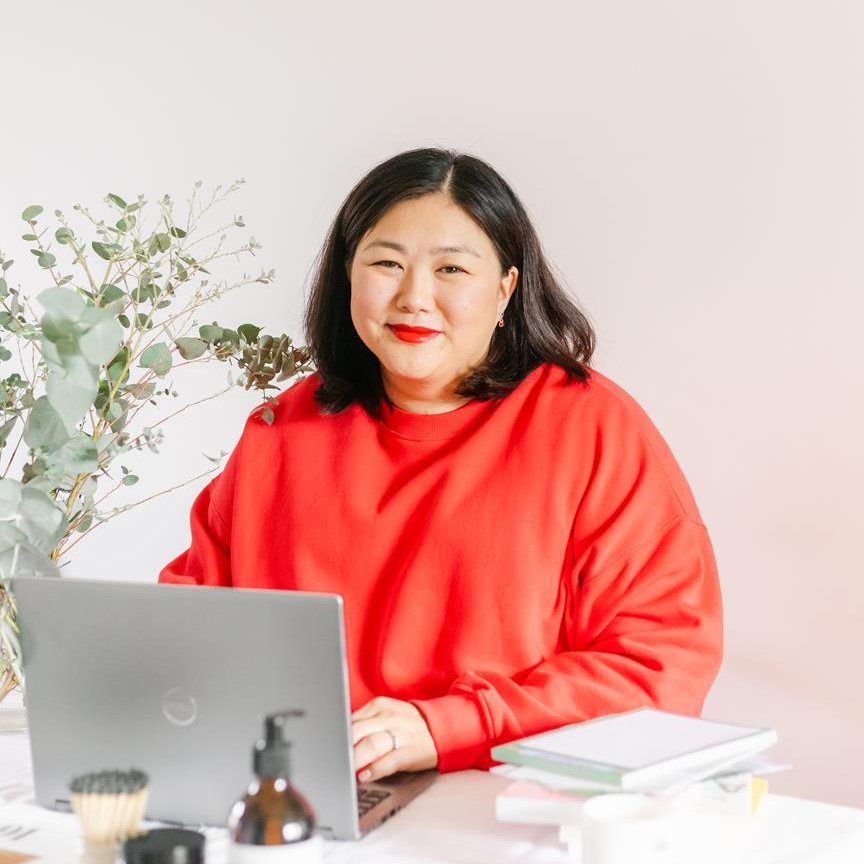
543 324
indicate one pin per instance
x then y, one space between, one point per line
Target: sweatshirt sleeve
641 624
207 561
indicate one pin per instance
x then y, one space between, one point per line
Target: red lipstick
413 334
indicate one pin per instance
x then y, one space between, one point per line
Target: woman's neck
418 397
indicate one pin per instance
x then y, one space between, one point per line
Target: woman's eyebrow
389 244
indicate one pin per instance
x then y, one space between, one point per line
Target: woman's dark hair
542 323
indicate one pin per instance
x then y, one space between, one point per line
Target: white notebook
638 749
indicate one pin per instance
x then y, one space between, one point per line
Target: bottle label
309 851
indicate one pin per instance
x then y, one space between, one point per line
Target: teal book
645 749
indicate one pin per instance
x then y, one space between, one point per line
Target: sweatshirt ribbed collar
428 427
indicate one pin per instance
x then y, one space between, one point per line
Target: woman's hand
380 725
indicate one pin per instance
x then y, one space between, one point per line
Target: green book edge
518 755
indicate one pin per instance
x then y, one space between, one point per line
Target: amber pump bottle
273 822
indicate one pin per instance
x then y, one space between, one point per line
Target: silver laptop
176 680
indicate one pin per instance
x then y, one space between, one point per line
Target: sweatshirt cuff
457 730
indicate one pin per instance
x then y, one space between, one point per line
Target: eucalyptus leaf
100 343
116 199
50 353
79 455
189 348
63 235
44 427
4 288
118 364
143 293
42 520
101 250
108 293
158 358
210 332
30 213
47 260
5 354
80 371
69 399
29 237
6 429
10 491
249 332
141 390
59 337
115 308
63 302
25 559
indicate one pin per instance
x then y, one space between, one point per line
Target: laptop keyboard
367 798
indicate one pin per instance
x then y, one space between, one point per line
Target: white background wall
694 170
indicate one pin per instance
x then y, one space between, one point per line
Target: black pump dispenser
272 755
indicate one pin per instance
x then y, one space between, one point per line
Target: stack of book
689 761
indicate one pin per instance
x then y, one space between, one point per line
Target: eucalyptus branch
81 259
92 335
118 510
192 405
44 250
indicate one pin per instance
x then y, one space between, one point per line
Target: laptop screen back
177 680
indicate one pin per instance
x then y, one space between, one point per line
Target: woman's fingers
378 727
363 728
383 767
372 748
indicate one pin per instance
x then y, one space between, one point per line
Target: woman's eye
449 268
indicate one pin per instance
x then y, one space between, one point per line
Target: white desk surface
454 822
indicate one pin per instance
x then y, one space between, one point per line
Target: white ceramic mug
627 828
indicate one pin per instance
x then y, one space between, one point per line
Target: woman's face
426 295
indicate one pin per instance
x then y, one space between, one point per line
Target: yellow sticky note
759 789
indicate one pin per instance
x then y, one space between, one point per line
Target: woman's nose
415 292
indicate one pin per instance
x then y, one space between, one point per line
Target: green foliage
158 358
77 376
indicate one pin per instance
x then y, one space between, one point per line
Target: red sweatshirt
508 567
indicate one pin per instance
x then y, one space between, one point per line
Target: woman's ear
508 286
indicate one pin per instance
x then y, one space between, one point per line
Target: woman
515 545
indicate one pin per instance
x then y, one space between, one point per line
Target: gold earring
500 320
